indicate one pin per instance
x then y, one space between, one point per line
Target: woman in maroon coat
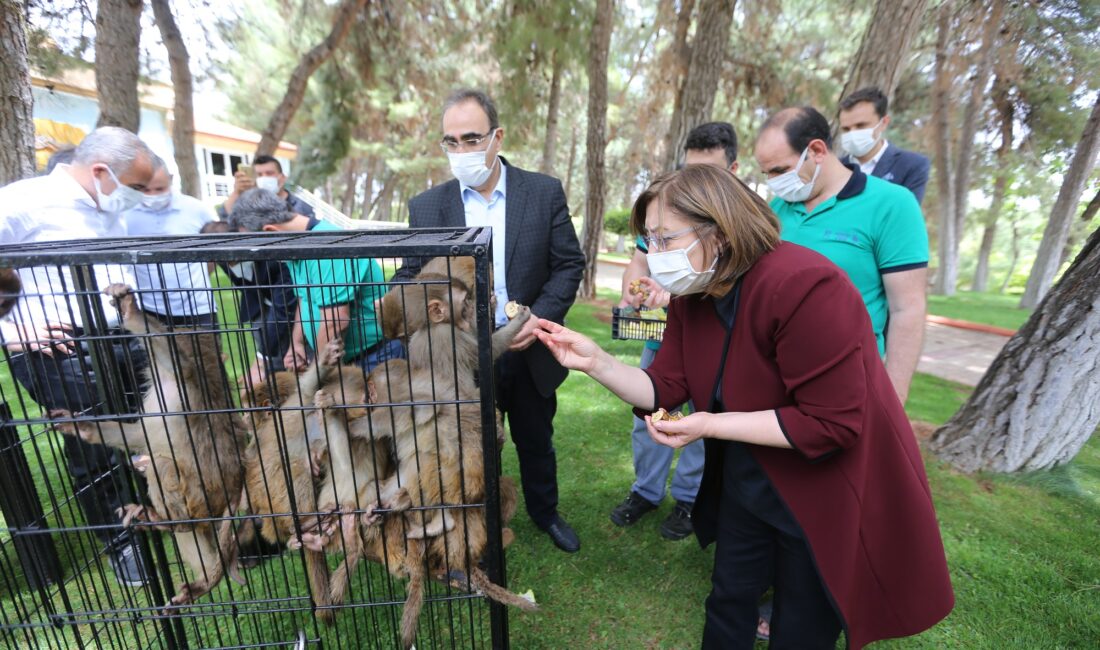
813 481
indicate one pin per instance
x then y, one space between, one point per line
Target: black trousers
531 422
70 383
751 555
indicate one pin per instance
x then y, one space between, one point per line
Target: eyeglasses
660 242
450 145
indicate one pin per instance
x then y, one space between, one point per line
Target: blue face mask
120 200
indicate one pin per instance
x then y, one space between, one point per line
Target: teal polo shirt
870 228
332 282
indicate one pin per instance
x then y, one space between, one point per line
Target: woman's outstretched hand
572 350
678 433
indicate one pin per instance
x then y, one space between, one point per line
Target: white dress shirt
185 215
491 213
56 208
869 166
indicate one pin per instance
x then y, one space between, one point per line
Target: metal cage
58 583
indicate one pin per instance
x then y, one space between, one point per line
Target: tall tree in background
550 142
342 22
708 51
884 50
599 45
183 112
1039 402
16 101
1057 229
948 235
117 40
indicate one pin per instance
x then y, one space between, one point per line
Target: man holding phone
266 173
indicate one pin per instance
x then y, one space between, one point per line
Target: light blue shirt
480 212
184 216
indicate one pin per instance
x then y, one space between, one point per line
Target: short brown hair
708 196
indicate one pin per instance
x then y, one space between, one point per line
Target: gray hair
257 208
113 146
472 94
159 164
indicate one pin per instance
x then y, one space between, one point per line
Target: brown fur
10 288
194 460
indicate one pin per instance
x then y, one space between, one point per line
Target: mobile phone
247 169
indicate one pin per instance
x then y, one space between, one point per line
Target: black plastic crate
629 324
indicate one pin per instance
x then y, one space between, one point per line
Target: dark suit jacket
543 258
902 167
854 479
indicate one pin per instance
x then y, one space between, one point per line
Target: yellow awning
51 136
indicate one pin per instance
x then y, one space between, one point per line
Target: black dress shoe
563 535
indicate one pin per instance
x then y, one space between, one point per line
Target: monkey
280 472
193 461
10 288
403 308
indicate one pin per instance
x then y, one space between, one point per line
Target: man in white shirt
178 294
43 337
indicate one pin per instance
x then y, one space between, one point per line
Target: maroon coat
802 344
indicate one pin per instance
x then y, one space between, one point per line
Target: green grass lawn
1022 552
989 308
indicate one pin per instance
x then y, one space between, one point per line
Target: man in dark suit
863 123
537 261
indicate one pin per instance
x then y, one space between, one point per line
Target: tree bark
682 54
550 144
947 275
296 87
1039 402
572 167
1091 208
596 186
183 112
117 41
1061 215
1015 259
973 109
884 50
16 101
708 51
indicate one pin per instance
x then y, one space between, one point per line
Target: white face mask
243 270
860 142
673 271
790 187
269 183
469 168
120 200
157 202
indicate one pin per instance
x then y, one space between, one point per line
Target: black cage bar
58 585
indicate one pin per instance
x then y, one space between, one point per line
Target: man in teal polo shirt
336 297
871 228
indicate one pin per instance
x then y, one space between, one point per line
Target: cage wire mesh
311 504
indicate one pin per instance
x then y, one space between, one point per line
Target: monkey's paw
323 399
522 313
333 353
185 596
67 428
400 500
122 297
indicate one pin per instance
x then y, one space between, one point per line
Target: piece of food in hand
662 414
511 310
638 288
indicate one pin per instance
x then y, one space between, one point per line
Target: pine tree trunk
884 50
16 101
973 110
981 272
550 144
708 52
948 272
342 23
572 167
1091 208
1015 259
596 185
682 56
1039 402
1061 215
183 112
117 41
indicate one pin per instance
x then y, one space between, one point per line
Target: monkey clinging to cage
194 451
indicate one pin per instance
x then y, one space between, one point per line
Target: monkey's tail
479 579
228 548
341 578
319 585
414 563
